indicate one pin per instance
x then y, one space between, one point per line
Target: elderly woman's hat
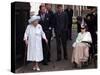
33 18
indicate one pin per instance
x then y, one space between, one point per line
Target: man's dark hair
41 6
47 4
59 5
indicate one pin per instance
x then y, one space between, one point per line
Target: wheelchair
93 53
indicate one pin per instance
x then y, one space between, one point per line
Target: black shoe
85 64
49 60
65 58
45 63
74 65
58 60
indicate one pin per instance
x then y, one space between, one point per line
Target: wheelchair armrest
87 42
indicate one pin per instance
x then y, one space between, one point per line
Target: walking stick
25 55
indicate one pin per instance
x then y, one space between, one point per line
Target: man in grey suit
61 31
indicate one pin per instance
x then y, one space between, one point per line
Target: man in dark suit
47 28
61 30
51 23
69 11
91 20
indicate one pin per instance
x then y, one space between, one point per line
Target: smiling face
43 9
48 6
35 23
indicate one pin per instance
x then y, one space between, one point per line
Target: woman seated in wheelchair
81 47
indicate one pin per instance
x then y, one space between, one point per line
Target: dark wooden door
20 14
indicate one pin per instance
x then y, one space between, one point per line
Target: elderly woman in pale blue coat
32 38
81 47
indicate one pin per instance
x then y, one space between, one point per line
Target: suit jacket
51 15
46 25
61 22
70 15
92 22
